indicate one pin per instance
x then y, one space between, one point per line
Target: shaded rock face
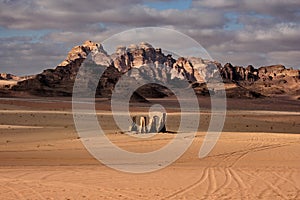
268 80
144 60
80 52
276 72
7 77
239 73
276 80
133 60
60 81
136 56
52 82
154 123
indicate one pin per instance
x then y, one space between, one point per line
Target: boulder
154 123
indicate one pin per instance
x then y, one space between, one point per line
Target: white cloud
288 58
269 31
216 3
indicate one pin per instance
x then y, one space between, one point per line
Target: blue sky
177 4
233 23
5 33
37 34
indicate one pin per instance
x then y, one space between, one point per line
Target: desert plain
256 157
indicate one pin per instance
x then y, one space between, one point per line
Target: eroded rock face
276 80
276 72
145 60
238 73
136 56
267 80
60 81
81 52
154 123
7 77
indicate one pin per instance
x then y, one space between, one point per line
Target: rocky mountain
7 81
58 81
8 77
266 80
145 60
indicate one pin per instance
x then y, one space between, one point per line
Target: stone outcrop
8 77
136 56
80 52
276 72
267 80
154 123
276 80
239 73
60 81
8 81
143 60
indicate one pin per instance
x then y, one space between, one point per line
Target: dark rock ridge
7 77
58 81
11 77
267 80
143 59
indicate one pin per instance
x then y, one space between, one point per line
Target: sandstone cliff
145 60
7 77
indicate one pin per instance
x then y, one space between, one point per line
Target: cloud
283 36
20 56
288 58
216 3
243 32
68 15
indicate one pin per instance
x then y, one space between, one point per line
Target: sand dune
250 160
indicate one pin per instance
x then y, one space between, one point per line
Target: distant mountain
143 59
7 81
7 77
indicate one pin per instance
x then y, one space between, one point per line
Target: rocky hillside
7 81
267 80
145 60
7 77
58 81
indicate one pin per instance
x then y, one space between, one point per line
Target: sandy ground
42 157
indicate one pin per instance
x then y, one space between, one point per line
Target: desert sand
256 157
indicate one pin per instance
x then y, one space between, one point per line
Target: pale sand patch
18 127
267 112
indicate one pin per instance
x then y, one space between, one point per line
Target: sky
37 34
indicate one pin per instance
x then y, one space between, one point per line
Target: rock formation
143 60
7 77
80 52
154 123
8 81
60 81
276 80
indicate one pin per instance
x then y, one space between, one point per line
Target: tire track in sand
269 184
23 186
227 182
235 156
16 193
267 190
201 180
286 180
241 184
212 181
